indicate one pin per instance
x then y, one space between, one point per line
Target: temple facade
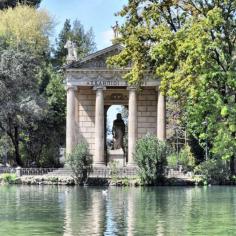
92 87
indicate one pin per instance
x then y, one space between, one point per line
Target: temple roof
96 59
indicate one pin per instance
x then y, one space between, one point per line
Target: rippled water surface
52 210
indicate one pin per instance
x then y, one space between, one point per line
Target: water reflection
51 210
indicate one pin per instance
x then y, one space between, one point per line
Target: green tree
84 40
15 33
23 100
13 3
19 99
63 36
80 162
190 46
150 156
44 137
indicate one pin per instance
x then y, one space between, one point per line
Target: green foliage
80 162
23 48
33 35
9 178
186 158
213 171
189 46
56 96
32 94
150 156
172 160
19 99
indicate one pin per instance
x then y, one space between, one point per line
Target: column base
66 165
133 165
99 165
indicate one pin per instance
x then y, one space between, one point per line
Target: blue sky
98 14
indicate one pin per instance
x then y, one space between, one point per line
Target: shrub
212 171
172 160
80 162
9 178
150 156
186 158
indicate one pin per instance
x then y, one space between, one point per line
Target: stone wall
147 112
85 117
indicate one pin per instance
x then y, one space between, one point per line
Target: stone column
161 117
99 128
70 118
132 125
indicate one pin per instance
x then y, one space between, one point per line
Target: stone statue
72 51
118 132
116 30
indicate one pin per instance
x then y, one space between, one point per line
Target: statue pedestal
117 156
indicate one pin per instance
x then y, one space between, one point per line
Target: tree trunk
16 146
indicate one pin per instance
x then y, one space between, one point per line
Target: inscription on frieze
107 83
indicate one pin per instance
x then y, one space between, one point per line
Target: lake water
69 211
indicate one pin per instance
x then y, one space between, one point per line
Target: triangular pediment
97 59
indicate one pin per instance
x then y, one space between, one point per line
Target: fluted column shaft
161 117
132 125
70 118
99 128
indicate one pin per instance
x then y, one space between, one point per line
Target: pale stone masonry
92 88
86 117
147 112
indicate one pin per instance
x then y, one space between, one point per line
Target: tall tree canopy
19 98
24 35
84 40
26 26
190 46
13 3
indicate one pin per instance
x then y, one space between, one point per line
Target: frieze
104 78
115 82
107 83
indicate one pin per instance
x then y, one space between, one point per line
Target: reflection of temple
88 212
84 212
92 88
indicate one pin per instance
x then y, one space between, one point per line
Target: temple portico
91 88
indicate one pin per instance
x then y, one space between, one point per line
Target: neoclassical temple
92 87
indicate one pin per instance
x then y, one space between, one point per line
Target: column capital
159 91
132 88
71 87
99 88
157 88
